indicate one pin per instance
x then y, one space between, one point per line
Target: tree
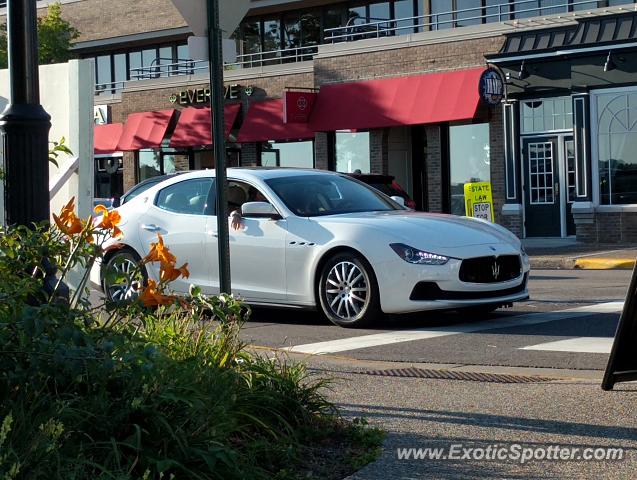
54 38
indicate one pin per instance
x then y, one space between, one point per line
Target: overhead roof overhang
570 58
590 35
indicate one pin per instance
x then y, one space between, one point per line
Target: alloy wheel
347 291
128 288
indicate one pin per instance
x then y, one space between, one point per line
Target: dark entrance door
541 187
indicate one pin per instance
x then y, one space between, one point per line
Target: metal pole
24 124
215 61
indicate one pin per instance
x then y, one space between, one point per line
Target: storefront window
470 13
469 160
440 18
149 162
352 152
404 9
497 11
271 35
103 66
288 154
311 28
546 115
617 147
379 12
291 31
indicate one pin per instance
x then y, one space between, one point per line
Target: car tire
348 292
124 260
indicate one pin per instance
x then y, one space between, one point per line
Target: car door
257 251
180 213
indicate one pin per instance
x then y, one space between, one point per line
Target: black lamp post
24 124
215 61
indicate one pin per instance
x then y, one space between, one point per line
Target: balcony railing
523 9
273 57
191 67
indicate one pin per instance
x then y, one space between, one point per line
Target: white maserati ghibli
316 239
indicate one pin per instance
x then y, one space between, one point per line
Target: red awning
413 100
264 121
145 130
106 138
194 127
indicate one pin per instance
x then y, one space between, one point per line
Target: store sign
297 106
200 96
100 114
479 200
491 87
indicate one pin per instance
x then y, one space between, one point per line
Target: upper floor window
112 69
373 18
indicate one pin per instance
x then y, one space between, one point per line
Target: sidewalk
545 253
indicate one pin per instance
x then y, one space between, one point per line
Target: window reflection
149 162
469 160
352 152
617 148
288 154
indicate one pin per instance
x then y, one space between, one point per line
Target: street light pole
215 62
24 124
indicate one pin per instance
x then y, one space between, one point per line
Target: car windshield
318 195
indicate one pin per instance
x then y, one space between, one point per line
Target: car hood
432 229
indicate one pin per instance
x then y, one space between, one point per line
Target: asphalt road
522 336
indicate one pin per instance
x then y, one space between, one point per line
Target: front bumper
411 288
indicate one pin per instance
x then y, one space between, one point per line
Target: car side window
192 197
240 193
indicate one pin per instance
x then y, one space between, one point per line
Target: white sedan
316 239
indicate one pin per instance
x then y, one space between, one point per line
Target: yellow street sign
479 201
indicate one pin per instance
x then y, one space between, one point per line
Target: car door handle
151 227
212 234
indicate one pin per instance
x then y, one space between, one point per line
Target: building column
379 151
433 164
505 167
249 155
130 170
321 151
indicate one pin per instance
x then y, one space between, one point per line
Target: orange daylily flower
160 253
68 222
152 297
109 221
168 273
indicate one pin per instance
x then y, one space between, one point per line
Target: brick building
396 85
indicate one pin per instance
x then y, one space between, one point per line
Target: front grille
490 269
431 291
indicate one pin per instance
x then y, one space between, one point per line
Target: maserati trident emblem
495 270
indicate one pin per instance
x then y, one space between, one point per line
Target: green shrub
130 392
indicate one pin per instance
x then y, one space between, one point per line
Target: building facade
395 91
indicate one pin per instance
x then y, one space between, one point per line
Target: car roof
261 173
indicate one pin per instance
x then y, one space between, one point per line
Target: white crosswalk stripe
399 336
575 345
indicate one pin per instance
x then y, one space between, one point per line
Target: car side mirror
259 210
399 200
116 202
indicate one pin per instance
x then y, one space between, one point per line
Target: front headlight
418 257
523 251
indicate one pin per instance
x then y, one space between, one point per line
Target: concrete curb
605 263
